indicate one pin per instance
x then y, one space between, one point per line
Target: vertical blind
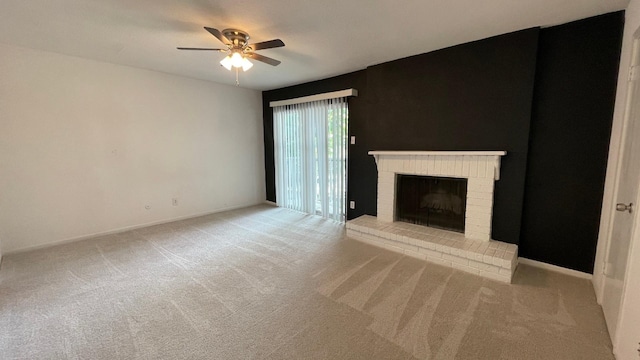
310 148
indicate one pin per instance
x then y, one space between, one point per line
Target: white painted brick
389 165
455 251
393 165
451 166
437 165
506 272
486 217
430 253
465 167
480 202
387 176
479 209
470 254
473 167
476 236
446 248
409 247
475 221
475 194
484 181
489 268
458 169
455 259
431 165
479 257
474 246
384 200
421 167
479 229
444 165
482 168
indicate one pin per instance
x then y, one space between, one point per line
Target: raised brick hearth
492 259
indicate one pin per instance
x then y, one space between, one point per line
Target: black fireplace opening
437 202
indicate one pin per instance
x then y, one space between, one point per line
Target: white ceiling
323 37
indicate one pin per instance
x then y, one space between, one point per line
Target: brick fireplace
480 168
473 251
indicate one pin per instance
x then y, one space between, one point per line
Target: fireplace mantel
450 157
443 153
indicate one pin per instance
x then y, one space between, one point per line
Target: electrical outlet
353 140
352 205
174 201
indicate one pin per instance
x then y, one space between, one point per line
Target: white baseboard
558 269
124 229
270 203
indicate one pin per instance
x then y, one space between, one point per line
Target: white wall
85 146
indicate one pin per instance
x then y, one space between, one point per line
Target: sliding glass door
311 157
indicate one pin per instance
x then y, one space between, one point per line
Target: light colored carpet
270 283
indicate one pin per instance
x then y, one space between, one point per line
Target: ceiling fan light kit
236 60
238 49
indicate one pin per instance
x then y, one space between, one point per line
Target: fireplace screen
432 201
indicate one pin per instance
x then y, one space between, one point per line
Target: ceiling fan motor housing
239 38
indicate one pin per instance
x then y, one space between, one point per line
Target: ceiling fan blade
204 49
264 59
218 35
267 44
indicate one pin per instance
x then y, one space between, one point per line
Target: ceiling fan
238 49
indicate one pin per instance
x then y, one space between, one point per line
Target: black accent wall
569 140
475 96
482 96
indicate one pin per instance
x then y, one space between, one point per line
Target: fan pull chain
237 82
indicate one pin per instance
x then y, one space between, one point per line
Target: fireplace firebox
437 202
